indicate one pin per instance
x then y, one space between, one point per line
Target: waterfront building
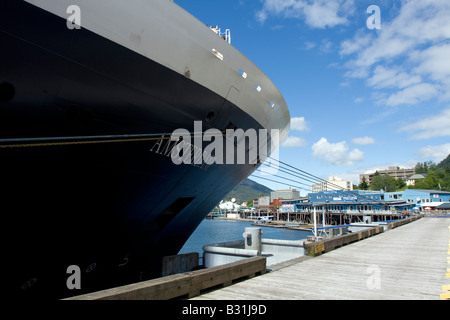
357 201
341 201
262 202
286 194
426 200
395 172
277 203
370 202
333 183
415 177
229 206
340 207
290 205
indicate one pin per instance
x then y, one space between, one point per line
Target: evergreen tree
445 163
438 176
383 182
400 184
424 167
363 185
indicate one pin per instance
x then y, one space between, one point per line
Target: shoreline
271 224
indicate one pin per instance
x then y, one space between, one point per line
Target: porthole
187 73
91 267
210 116
29 284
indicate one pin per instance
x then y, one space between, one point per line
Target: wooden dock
409 262
189 284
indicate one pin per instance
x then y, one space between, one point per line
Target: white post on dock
315 221
252 238
323 216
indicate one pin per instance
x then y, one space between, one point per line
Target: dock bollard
253 239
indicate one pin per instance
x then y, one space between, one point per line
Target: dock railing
188 284
325 245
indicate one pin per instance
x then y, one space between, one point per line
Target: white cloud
310 45
277 27
292 142
316 13
261 15
337 153
434 61
410 54
435 153
364 141
431 127
384 78
326 46
299 124
412 95
356 44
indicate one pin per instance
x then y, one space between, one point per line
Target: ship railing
226 35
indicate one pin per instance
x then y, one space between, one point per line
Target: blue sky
361 99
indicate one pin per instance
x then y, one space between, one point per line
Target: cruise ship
90 91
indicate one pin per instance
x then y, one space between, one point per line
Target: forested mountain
247 191
438 175
444 163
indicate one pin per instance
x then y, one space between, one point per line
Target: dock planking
405 263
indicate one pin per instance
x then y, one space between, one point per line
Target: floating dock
408 262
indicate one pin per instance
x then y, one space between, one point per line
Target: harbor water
217 231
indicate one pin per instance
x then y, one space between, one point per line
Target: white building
333 183
412 180
285 194
394 172
229 206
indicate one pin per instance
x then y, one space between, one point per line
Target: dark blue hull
112 206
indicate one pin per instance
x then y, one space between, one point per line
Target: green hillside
444 163
247 191
438 175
